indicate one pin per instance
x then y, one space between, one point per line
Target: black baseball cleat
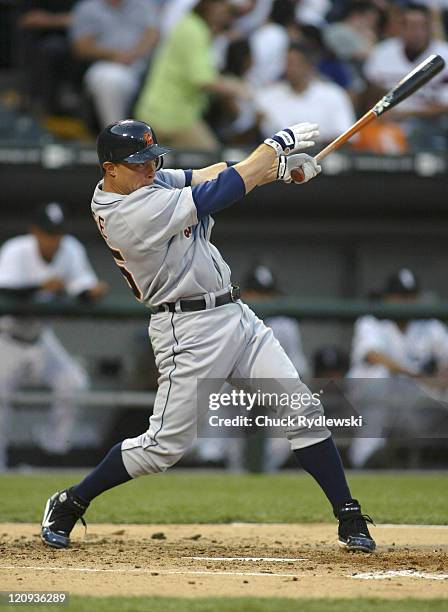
353 531
62 511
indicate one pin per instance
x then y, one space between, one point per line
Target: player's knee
151 459
164 461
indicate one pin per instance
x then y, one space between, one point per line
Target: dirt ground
296 561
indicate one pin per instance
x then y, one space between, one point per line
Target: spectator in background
249 16
354 36
302 95
234 119
352 39
312 12
424 114
174 96
45 56
43 263
117 37
172 12
393 351
269 45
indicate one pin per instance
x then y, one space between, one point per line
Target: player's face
48 243
134 176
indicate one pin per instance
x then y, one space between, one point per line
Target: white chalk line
379 575
273 559
387 525
384 574
154 572
405 526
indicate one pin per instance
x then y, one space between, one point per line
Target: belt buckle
235 293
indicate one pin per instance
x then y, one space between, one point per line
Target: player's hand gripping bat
420 75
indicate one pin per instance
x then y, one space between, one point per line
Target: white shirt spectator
322 102
388 63
118 29
269 46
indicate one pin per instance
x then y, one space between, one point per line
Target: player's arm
270 161
81 281
209 173
377 358
235 182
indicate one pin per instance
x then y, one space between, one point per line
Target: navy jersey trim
211 196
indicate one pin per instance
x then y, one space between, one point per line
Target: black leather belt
200 303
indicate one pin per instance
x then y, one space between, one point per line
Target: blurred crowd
206 73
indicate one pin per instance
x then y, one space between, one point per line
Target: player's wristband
283 142
230 163
282 167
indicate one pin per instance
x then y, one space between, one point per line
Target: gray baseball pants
227 343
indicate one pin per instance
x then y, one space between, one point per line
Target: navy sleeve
211 196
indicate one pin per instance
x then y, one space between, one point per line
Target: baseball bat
418 77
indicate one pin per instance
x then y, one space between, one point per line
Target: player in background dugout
42 264
393 352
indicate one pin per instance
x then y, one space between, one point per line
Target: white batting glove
306 163
294 138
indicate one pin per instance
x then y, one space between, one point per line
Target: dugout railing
328 309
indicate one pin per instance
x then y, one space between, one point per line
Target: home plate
382 575
273 559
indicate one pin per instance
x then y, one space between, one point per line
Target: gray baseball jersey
164 251
158 243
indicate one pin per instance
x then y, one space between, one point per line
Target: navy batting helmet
130 141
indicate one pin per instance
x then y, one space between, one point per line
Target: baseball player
393 351
42 263
158 225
